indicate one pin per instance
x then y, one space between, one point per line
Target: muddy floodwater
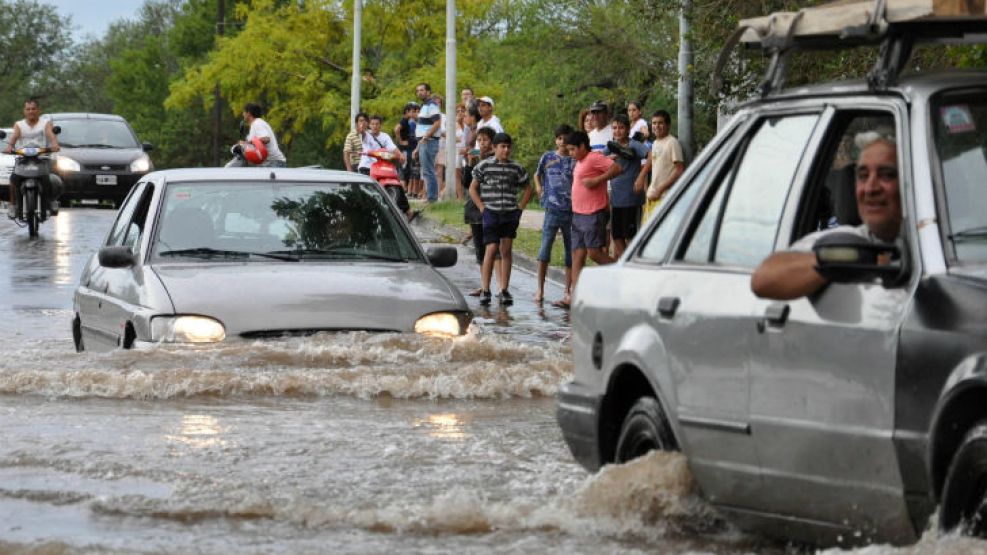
336 443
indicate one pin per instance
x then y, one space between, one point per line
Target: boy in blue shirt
625 200
553 182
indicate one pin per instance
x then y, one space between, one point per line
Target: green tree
34 39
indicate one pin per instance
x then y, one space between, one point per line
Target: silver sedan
208 255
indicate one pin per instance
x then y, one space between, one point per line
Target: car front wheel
645 428
964 497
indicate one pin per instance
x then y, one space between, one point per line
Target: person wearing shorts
553 182
590 203
626 198
494 190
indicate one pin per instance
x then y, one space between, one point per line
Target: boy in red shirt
589 202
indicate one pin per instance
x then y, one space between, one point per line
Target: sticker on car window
182 195
957 119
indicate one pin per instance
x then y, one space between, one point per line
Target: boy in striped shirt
494 190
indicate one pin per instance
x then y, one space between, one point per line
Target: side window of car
135 230
740 223
124 216
830 198
657 245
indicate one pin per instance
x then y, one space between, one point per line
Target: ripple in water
363 365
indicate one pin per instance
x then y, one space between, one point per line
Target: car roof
918 85
85 115
311 175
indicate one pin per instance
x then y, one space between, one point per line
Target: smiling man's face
878 195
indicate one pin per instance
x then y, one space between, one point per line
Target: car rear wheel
964 497
645 429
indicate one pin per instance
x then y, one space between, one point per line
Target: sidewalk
530 219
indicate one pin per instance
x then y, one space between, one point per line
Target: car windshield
285 221
96 133
960 123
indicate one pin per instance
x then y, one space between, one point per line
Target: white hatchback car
6 163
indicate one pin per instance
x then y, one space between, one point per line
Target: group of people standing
420 141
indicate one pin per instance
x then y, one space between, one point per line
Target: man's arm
641 183
475 195
614 171
676 173
787 275
13 140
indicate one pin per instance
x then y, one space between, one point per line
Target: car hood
108 156
258 298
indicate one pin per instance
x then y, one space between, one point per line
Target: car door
822 393
706 312
114 291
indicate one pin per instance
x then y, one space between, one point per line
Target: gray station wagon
849 416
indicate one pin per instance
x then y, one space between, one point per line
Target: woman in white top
637 122
461 133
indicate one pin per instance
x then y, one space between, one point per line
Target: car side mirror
56 129
850 258
442 257
147 147
116 257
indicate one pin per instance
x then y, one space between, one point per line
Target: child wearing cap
494 191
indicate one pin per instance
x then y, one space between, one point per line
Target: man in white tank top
37 132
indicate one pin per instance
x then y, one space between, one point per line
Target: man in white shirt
603 134
375 139
261 130
485 105
37 131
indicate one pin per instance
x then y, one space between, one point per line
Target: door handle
667 306
775 316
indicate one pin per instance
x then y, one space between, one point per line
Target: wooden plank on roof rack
832 18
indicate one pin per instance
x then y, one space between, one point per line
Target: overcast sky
93 17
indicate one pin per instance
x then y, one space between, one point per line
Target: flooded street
342 443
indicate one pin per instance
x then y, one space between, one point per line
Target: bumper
82 185
578 414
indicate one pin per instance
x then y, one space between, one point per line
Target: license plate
106 180
89 201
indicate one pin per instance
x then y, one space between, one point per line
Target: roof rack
895 25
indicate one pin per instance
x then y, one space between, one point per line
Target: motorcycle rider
259 128
33 131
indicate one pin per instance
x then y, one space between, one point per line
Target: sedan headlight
440 323
66 164
186 329
141 164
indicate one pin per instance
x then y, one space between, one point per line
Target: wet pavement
340 443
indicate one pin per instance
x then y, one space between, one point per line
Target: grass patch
450 212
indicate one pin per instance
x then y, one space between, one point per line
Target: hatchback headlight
66 164
141 164
186 329
440 323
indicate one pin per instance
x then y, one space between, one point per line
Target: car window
135 230
830 200
96 133
701 243
657 245
960 123
233 220
125 216
754 202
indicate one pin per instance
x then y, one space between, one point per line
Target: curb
521 261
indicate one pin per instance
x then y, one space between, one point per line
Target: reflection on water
63 261
444 426
198 431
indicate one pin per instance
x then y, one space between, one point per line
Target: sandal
476 292
560 304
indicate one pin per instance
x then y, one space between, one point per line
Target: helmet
255 152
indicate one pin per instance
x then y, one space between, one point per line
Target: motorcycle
385 173
32 165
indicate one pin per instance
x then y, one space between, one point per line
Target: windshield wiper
973 233
207 252
347 251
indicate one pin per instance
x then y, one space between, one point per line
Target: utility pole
450 130
217 121
355 82
685 81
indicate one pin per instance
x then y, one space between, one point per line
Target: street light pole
450 130
217 117
685 80
355 82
